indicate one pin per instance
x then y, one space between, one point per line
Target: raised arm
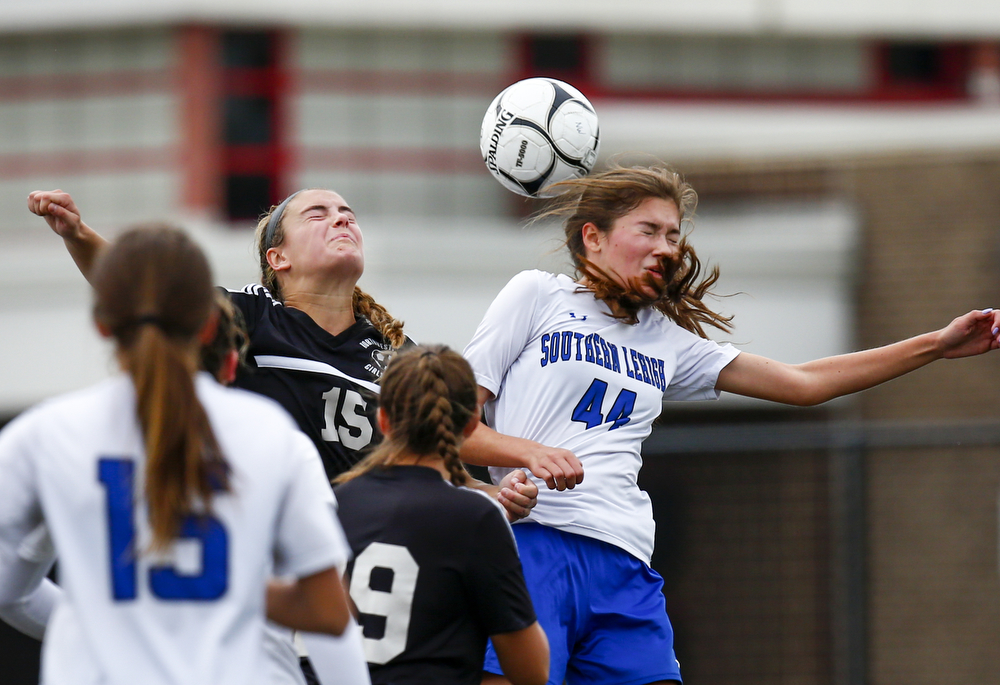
63 217
559 468
824 379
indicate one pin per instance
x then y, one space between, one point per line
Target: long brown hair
428 395
605 197
153 292
230 336
364 305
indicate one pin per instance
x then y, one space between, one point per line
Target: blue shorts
601 608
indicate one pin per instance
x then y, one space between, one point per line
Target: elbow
806 394
337 625
540 677
806 400
524 655
524 676
7 610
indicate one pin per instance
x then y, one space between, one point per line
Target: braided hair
429 394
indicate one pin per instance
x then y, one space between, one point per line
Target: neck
332 311
432 461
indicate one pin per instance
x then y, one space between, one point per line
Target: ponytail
154 292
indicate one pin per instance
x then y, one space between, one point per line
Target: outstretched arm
62 216
559 468
823 379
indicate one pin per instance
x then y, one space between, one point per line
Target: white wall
688 132
974 18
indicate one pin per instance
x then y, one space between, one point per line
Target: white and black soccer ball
537 132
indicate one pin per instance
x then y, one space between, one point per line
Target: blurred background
847 157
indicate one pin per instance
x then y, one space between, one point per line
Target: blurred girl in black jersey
436 570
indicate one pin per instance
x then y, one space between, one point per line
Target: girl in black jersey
317 343
436 570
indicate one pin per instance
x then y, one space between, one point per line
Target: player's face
639 245
321 236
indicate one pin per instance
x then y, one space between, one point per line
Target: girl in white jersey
573 373
145 483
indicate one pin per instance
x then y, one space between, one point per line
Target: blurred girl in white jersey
162 497
317 344
573 373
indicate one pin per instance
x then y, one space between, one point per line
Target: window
922 70
565 57
252 133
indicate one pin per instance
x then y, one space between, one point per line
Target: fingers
560 469
546 476
994 315
519 500
42 202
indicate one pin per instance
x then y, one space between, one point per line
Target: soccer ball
537 132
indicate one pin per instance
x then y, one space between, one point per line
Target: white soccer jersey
195 614
566 374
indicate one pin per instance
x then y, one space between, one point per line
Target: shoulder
253 300
84 402
254 291
251 408
533 278
72 414
476 504
529 287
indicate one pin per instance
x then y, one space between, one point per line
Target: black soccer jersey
329 384
435 573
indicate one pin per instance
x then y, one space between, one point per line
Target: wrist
936 344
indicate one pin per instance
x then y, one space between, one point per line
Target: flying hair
605 197
428 394
271 234
153 292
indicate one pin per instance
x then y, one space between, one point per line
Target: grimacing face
321 237
637 244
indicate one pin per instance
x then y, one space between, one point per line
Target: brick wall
930 250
